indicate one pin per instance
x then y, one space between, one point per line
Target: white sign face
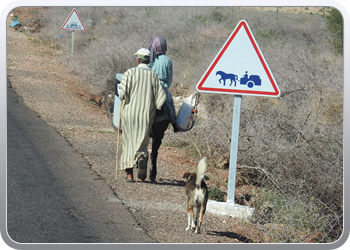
239 68
73 22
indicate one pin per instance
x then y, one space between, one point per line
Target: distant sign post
239 69
73 23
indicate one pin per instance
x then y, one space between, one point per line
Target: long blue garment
164 68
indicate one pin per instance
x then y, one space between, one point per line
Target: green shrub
334 24
267 34
216 194
290 218
15 17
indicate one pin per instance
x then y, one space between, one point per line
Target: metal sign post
234 149
247 74
73 23
72 49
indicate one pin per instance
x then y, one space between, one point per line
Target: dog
196 194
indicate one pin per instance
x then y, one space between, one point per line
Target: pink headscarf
158 47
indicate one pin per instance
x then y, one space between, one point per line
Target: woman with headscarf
163 65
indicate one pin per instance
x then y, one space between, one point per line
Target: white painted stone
230 209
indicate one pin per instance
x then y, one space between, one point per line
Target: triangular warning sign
239 68
73 22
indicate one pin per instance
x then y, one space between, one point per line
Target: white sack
184 116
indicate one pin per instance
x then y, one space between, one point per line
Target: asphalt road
53 196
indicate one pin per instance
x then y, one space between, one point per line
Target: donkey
160 125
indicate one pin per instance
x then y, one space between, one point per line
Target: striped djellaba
143 94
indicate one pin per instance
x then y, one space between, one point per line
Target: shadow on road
231 235
167 182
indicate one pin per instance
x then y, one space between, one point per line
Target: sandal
129 173
142 165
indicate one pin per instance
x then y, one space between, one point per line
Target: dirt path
46 87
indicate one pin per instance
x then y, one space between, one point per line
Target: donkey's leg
154 153
158 130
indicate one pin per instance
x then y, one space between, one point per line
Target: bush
216 194
334 23
290 218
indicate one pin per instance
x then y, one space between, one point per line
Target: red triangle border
249 92
74 10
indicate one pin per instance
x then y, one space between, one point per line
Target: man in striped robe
142 93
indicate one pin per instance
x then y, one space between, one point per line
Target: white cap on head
143 54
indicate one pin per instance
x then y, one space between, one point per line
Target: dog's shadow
168 182
231 235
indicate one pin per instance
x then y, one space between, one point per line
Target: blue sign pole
234 149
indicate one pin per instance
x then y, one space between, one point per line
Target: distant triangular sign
239 68
73 22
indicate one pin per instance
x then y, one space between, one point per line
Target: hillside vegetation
291 147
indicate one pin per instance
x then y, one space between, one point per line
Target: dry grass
296 138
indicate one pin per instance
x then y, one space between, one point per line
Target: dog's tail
202 167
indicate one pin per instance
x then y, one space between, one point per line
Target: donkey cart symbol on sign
246 74
250 82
